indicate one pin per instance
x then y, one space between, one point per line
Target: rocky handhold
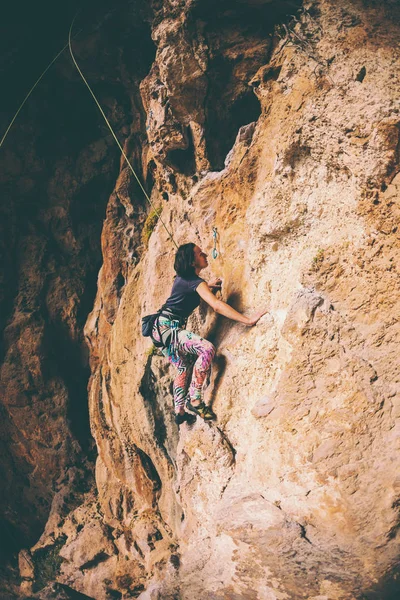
26 567
242 142
263 407
91 546
300 313
27 572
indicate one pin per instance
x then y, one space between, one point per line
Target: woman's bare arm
222 308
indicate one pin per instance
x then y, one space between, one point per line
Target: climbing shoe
204 411
184 418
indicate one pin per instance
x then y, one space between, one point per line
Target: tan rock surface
282 497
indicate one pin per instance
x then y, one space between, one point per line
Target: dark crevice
303 533
222 129
171 179
396 527
175 561
183 161
387 588
90 564
245 110
73 594
149 469
268 74
47 562
68 359
230 102
228 444
11 540
148 390
113 594
361 74
119 284
138 549
263 15
150 178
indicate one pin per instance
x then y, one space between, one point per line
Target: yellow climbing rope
114 136
32 88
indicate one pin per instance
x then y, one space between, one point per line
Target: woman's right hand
222 308
255 318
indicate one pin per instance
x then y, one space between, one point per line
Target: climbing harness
215 251
173 344
171 341
169 338
115 137
32 88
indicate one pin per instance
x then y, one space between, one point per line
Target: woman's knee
208 350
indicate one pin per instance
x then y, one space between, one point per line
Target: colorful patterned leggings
192 356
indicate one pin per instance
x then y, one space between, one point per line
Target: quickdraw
215 251
174 343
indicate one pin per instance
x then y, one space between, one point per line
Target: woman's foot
184 417
201 409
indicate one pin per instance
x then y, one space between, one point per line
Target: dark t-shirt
184 298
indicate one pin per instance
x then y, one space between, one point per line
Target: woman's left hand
215 284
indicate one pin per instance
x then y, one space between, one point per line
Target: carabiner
214 251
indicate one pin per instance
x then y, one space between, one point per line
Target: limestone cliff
279 125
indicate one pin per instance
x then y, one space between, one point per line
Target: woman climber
182 347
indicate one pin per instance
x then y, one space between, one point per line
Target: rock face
53 253
58 168
282 132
